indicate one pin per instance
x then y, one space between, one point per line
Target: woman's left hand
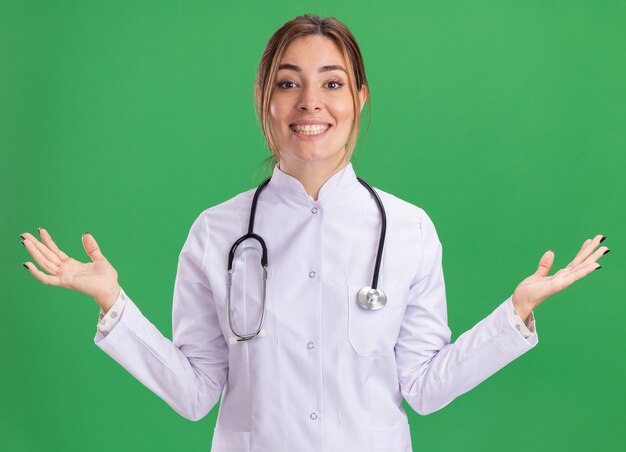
531 292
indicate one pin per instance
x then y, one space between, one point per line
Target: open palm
532 291
97 279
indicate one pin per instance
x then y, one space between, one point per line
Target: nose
310 100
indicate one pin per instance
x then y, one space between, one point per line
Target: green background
505 121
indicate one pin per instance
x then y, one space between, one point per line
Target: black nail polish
599 267
22 242
23 238
85 233
606 251
25 266
602 239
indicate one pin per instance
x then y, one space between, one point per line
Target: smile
309 129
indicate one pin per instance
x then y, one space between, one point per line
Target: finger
43 262
578 258
47 239
91 247
597 254
586 250
582 248
41 276
565 279
43 249
545 264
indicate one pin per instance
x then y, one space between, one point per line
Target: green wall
505 121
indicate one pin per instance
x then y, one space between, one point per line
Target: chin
313 155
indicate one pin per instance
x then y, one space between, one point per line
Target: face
311 107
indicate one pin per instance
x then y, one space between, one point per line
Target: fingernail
39 228
22 242
602 240
599 267
606 251
85 233
26 266
23 238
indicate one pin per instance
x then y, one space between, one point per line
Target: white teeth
309 129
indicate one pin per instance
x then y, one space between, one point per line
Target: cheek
344 110
273 112
277 109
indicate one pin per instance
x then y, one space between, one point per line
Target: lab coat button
313 416
311 274
314 210
310 345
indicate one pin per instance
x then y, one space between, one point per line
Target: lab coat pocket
230 441
392 439
374 333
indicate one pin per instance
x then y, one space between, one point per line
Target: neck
312 174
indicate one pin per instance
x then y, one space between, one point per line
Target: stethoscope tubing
264 257
383 231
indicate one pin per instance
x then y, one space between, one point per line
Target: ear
363 96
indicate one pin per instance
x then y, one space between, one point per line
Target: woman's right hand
97 279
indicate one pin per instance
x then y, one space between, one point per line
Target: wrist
107 300
522 310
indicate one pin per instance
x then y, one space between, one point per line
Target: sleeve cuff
525 329
108 321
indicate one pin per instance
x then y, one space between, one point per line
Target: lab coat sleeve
190 371
525 329
432 371
107 321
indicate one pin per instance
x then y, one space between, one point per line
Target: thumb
91 247
545 264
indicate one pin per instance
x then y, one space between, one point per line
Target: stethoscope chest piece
373 299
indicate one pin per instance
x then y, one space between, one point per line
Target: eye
282 83
337 83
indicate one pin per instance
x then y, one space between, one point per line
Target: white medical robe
328 375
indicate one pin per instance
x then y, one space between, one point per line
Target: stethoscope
368 297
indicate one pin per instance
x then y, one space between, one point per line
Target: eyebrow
328 67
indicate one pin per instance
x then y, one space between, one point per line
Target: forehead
312 51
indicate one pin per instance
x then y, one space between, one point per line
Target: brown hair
305 25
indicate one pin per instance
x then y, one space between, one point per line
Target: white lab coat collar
338 183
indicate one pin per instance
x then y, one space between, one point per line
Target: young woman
313 304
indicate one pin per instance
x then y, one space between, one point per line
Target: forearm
458 367
190 385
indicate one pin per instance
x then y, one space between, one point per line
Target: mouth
309 129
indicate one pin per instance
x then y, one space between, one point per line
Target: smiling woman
311 112
329 360
309 92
